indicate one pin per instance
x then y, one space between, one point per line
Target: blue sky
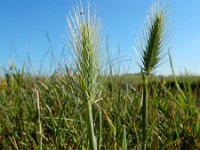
24 23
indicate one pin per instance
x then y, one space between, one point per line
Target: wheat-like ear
153 43
85 43
152 48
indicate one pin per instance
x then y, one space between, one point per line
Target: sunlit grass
151 46
83 109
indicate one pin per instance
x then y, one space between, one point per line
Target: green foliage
173 120
74 110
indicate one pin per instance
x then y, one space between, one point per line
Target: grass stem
39 118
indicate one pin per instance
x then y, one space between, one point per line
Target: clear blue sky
23 25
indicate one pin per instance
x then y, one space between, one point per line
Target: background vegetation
81 108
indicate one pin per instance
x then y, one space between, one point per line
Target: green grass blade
124 141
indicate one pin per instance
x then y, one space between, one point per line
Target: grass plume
152 46
85 30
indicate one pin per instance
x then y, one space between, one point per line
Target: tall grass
85 42
83 109
151 46
37 98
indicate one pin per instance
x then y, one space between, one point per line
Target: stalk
100 128
144 113
39 118
93 144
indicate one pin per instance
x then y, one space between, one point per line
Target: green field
83 108
173 119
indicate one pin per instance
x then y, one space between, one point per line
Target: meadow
82 108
